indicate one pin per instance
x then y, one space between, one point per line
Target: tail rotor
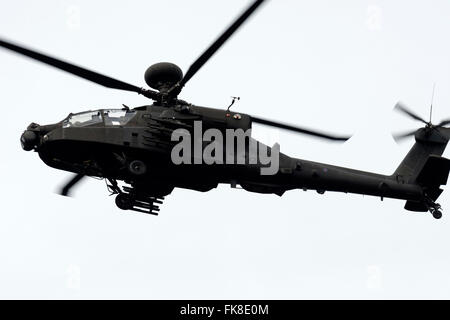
429 126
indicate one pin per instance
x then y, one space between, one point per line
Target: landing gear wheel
437 214
433 207
124 202
137 167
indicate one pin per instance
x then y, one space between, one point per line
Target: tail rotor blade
298 129
403 109
65 191
401 136
444 123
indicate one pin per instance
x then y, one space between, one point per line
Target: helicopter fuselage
140 146
104 143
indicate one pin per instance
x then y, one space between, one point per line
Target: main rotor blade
71 68
216 45
65 191
400 136
402 108
298 129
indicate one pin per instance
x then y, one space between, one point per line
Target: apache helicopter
133 146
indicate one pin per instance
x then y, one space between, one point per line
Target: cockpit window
118 117
83 119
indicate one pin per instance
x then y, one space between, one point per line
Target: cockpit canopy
107 117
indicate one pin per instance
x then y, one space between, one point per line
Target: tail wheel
437 214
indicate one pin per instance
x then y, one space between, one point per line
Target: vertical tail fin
411 166
424 165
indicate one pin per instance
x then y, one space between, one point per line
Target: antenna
233 101
431 105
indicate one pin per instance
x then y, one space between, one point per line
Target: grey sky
339 66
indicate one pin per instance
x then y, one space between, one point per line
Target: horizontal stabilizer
434 172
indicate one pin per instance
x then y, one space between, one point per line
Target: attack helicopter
131 148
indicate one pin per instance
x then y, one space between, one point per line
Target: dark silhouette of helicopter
133 147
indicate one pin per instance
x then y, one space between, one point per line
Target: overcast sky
337 66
